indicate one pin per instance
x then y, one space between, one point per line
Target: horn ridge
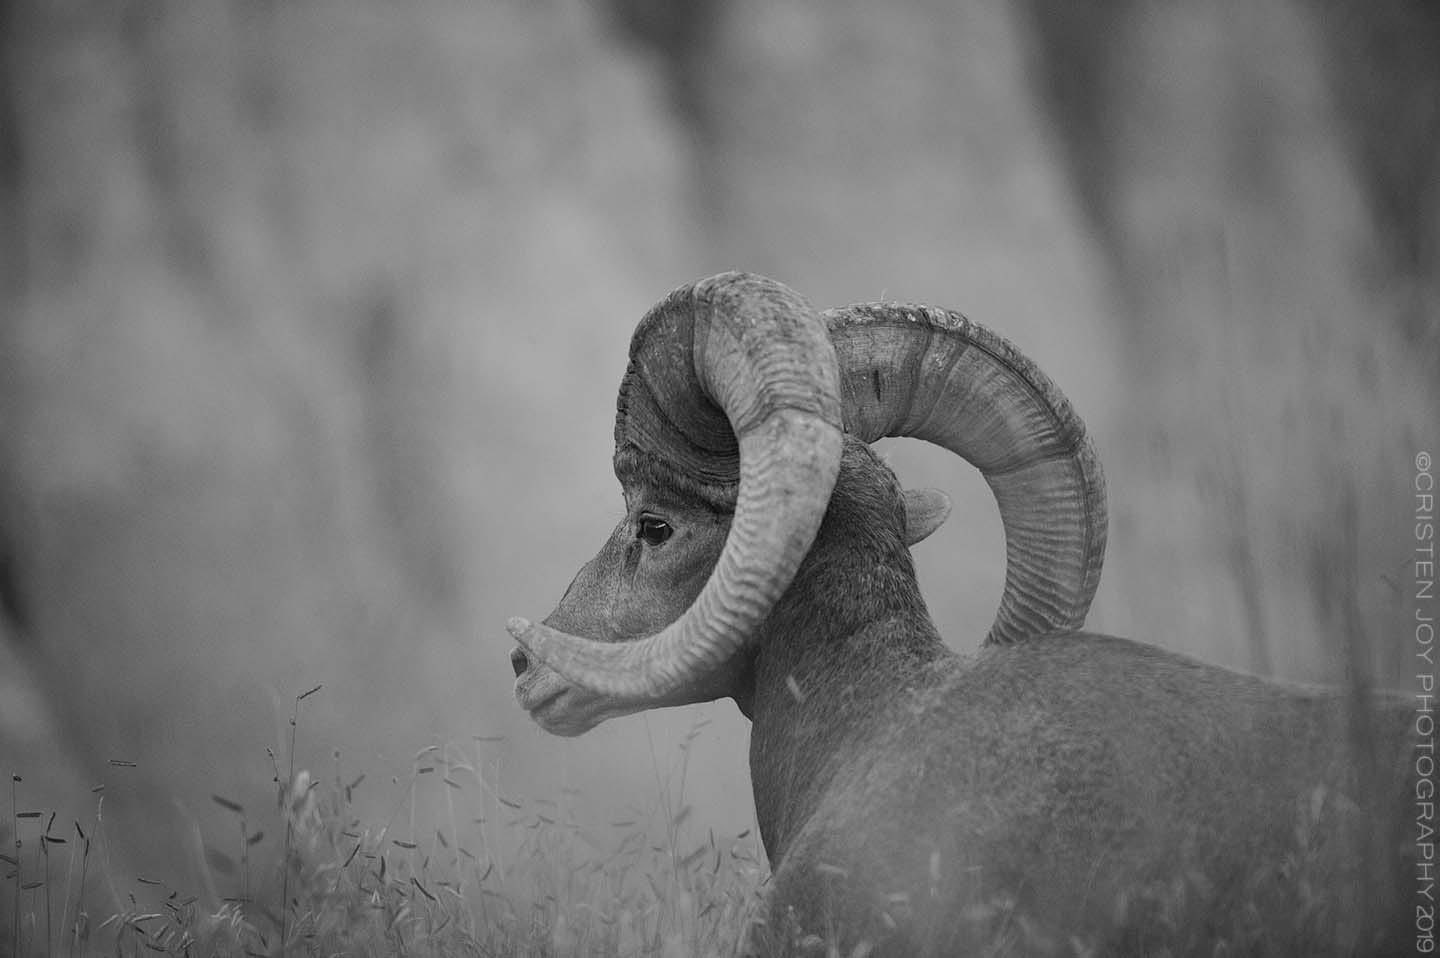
956 383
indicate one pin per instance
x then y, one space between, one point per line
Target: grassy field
506 875
531 878
502 875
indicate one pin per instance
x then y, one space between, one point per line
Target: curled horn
736 366
935 375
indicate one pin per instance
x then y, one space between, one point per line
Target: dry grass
504 875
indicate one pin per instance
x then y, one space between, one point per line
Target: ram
1053 792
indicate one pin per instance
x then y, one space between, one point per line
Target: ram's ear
925 511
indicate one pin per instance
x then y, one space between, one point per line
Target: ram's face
648 572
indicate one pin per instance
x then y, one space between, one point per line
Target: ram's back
1111 788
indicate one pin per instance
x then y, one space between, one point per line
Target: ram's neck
829 659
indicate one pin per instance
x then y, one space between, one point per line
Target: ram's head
732 419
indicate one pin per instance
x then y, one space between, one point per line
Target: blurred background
312 316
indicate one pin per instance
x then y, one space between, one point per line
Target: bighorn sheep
1054 790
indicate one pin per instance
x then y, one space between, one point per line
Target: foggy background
312 316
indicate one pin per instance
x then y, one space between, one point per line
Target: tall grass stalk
288 800
19 870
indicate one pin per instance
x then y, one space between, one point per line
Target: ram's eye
652 531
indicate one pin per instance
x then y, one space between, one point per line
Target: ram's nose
518 661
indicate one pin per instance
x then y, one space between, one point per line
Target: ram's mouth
535 704
554 709
538 689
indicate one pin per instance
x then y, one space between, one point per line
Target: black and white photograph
566 479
